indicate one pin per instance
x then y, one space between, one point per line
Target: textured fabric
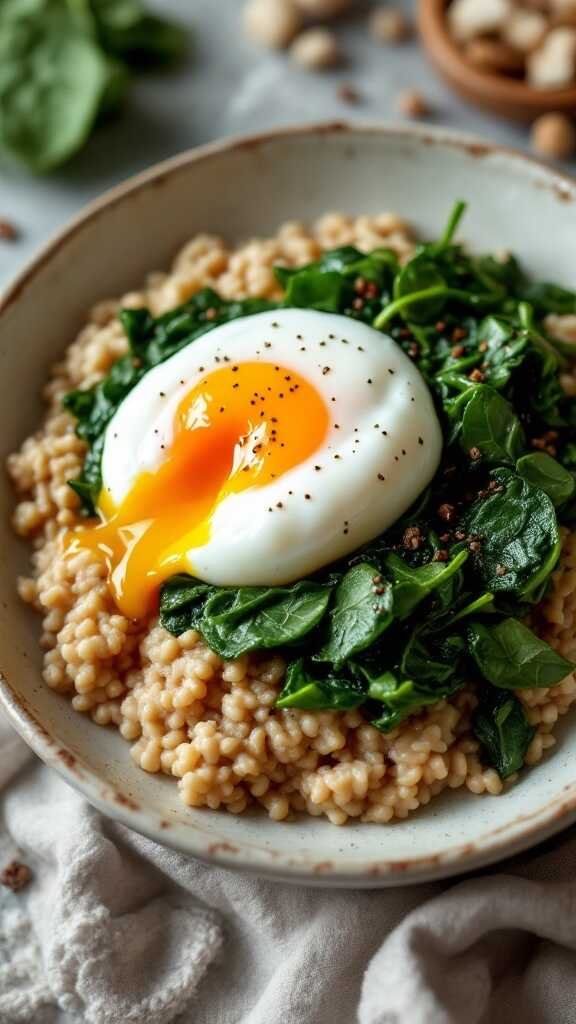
115 929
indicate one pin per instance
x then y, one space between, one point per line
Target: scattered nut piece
348 93
469 18
272 23
495 56
554 136
389 25
524 30
15 876
553 64
323 9
8 231
315 48
412 103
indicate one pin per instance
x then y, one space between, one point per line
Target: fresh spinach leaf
238 620
510 655
490 424
361 612
501 725
53 79
411 585
544 472
518 533
182 600
402 697
303 690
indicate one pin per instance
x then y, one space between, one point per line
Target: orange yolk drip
242 426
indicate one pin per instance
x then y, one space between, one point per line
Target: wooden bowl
495 92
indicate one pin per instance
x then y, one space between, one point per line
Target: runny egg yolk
241 426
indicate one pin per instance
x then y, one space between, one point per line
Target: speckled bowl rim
517 835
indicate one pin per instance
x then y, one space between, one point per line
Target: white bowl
241 188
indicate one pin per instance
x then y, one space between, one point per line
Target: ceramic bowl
240 188
497 93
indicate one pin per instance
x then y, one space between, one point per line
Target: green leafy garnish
64 64
511 656
501 725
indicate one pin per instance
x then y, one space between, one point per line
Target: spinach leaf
434 659
420 275
140 39
182 600
544 472
504 349
361 612
53 79
402 697
312 290
549 298
490 424
518 533
302 690
510 655
501 725
410 585
238 620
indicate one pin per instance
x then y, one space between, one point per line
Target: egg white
387 427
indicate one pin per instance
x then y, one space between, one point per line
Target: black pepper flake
299 336
235 386
369 381
279 504
200 369
275 324
403 451
381 476
344 341
182 381
156 431
317 468
216 359
396 459
336 426
116 435
337 456
322 344
290 492
267 344
325 370
391 371
420 440
162 394
360 349
412 399
221 408
307 496
303 349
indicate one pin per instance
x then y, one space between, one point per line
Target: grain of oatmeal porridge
211 723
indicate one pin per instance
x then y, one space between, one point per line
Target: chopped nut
348 93
458 334
476 375
553 64
389 25
561 327
494 56
554 136
501 570
457 352
272 23
441 555
412 538
8 231
523 29
475 546
315 49
470 18
475 454
412 103
15 876
447 512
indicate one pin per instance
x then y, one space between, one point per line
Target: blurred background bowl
494 92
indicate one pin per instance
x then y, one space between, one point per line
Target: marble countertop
226 86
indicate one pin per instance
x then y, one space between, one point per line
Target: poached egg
264 450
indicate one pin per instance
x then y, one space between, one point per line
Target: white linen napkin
115 929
